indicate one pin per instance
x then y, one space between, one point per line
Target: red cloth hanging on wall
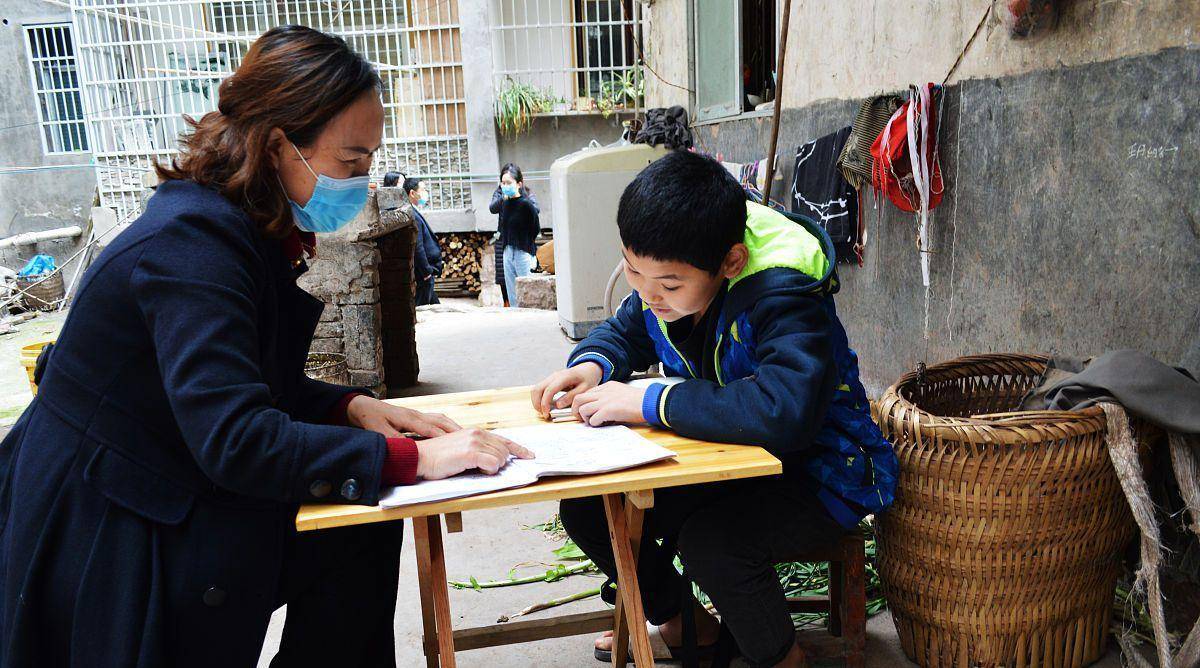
892 171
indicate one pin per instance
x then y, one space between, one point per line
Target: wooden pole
783 34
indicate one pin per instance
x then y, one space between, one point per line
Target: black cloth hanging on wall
820 192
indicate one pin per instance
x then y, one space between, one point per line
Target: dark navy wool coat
147 494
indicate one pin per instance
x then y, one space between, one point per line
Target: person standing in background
519 226
427 260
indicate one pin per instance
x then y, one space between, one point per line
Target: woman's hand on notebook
374 415
570 382
610 403
463 450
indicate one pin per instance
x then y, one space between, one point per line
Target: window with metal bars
145 64
56 87
581 56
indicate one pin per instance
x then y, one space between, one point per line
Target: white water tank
586 188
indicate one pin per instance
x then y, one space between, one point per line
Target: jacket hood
789 254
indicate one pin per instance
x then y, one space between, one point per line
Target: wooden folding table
627 494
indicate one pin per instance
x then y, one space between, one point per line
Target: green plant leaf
569 551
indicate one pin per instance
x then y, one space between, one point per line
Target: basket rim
331 360
894 397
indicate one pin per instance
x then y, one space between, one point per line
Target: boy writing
737 298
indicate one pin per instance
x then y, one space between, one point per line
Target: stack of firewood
461 255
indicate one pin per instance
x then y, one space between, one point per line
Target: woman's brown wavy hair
293 78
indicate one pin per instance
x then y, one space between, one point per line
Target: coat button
214 597
320 488
350 490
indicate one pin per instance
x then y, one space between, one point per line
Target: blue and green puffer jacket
785 376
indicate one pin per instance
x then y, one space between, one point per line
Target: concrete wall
839 50
34 200
548 140
1069 220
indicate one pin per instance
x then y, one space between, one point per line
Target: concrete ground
463 347
14 381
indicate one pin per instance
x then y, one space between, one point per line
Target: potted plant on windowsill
624 91
516 106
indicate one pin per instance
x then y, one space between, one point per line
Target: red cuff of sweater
337 415
400 462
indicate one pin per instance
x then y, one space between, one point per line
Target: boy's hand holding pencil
575 393
560 388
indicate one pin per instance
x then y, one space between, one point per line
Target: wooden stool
846 604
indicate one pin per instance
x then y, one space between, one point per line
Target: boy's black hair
411 183
685 207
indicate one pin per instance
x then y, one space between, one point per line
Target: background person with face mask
427 261
519 227
148 494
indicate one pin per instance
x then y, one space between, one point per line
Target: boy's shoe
660 650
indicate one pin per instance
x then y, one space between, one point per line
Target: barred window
580 56
56 85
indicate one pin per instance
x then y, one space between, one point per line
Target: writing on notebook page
559 449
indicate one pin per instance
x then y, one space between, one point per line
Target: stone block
329 330
487 265
369 379
490 295
339 265
364 345
331 313
326 346
537 291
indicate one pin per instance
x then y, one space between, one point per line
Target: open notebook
561 449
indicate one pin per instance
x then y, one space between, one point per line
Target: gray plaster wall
549 139
34 200
1070 221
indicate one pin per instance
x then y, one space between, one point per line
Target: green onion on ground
797 578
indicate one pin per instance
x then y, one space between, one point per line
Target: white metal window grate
147 63
56 85
581 55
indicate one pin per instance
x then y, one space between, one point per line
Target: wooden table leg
634 507
630 611
429 642
435 597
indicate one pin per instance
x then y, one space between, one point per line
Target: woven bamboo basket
329 367
43 292
1004 543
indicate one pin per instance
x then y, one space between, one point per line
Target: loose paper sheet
561 449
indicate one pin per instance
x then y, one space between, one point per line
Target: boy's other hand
609 404
571 382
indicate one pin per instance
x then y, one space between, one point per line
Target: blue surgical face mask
509 189
334 202
423 201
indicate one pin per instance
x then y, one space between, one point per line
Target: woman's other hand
464 450
393 421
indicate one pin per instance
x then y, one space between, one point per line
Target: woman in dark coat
148 494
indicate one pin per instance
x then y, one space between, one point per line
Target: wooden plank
854 603
633 521
428 530
808 604
696 462
429 641
642 498
837 595
618 533
528 631
453 522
